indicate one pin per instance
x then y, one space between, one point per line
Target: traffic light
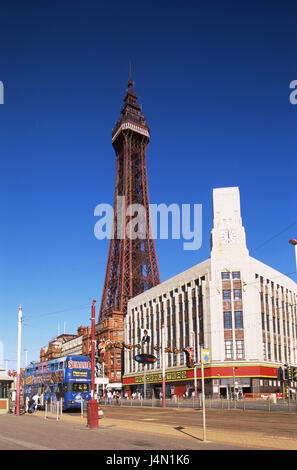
290 373
286 373
280 373
294 373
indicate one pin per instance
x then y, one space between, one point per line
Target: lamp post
195 365
293 242
163 368
18 382
93 404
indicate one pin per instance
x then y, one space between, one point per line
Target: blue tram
67 377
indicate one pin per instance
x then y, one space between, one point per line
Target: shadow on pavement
180 429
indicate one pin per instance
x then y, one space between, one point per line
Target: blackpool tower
132 265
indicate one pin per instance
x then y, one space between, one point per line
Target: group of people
114 395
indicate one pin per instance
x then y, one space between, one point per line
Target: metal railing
269 405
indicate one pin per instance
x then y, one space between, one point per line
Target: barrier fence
266 403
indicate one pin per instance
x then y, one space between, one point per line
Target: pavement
33 432
144 428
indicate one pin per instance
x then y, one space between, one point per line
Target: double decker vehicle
67 378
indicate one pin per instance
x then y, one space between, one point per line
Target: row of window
239 349
228 321
276 322
278 356
237 294
227 275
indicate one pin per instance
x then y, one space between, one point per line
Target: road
282 425
143 428
29 432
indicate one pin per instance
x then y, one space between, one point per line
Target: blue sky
213 79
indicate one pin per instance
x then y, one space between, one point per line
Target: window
264 350
182 358
225 276
273 324
263 321
80 387
239 349
236 275
269 351
267 322
169 360
118 374
238 319
174 359
237 294
275 352
226 294
228 350
228 320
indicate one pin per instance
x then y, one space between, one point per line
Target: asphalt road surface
283 425
34 433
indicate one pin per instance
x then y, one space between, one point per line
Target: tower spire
132 265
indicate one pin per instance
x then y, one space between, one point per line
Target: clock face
228 236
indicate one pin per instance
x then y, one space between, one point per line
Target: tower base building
240 309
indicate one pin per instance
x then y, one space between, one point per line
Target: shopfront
5 385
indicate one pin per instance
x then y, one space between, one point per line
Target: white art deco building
240 309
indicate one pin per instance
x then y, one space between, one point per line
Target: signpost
145 359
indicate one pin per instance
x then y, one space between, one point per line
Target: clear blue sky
213 79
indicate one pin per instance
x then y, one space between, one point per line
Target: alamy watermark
1 93
133 222
293 94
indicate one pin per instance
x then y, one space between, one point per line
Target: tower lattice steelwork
132 265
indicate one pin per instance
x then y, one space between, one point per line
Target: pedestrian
31 405
36 400
109 396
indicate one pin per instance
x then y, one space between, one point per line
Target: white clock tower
228 234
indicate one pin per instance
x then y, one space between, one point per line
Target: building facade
240 309
67 344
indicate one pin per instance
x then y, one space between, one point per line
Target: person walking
36 400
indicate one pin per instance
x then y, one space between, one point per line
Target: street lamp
293 242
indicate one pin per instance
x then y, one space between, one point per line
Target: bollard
243 404
269 405
45 410
82 408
